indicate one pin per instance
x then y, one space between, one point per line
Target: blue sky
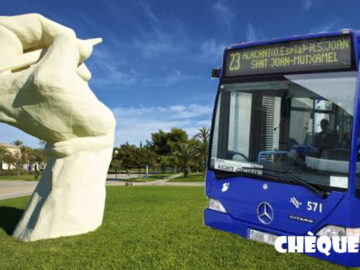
153 68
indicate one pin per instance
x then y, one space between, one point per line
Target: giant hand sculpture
51 100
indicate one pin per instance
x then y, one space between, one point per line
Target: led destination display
326 53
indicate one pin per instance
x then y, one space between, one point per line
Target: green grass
196 177
145 228
24 177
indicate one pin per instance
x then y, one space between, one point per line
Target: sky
153 68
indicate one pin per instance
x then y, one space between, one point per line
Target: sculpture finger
86 46
60 62
34 30
84 72
10 45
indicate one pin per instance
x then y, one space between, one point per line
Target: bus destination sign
316 54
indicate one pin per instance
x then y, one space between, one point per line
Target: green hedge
14 172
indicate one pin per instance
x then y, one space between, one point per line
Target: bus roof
245 44
355 37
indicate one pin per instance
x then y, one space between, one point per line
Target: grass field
145 228
24 177
196 177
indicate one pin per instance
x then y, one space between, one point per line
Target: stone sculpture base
68 201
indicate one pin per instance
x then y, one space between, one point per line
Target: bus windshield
300 124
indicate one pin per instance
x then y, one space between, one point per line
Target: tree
17 142
176 136
3 152
145 157
127 154
25 153
10 159
116 161
159 143
164 145
202 148
17 161
203 135
131 157
184 154
37 156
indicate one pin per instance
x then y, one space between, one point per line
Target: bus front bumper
225 222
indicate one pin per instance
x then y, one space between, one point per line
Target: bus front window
301 124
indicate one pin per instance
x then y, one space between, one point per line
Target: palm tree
25 156
203 135
202 148
17 142
3 152
184 154
201 155
10 159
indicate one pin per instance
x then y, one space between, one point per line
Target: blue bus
284 146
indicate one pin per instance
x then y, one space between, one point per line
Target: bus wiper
295 178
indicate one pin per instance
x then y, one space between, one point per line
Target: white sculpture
51 100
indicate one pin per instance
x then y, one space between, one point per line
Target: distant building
14 150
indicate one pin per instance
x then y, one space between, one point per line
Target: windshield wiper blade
295 178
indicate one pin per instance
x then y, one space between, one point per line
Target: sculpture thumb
85 47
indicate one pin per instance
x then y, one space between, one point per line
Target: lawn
25 177
145 228
196 177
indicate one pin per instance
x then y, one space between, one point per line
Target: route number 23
234 62
314 207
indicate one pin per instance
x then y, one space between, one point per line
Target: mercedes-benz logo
265 213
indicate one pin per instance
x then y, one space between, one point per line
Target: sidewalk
161 182
14 188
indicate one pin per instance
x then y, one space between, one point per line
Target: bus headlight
331 231
353 232
216 205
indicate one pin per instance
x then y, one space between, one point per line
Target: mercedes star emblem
265 213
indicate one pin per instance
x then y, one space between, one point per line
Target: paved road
14 189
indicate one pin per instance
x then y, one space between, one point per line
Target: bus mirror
215 73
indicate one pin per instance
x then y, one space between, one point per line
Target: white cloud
224 13
308 4
171 78
109 72
155 41
211 50
148 12
204 123
334 25
252 34
135 124
220 7
162 35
